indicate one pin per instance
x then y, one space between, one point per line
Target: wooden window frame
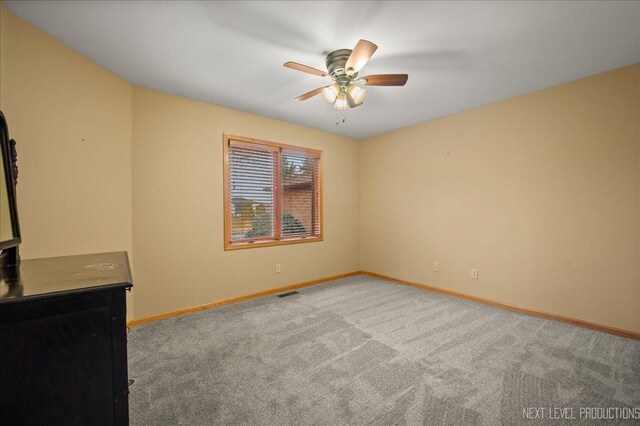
268 241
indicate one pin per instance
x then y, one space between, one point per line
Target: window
272 194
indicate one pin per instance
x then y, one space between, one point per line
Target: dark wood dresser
63 344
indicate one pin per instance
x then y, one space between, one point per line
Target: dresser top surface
36 278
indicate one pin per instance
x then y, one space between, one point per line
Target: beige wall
72 121
178 206
540 193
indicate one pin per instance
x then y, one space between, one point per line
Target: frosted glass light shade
330 93
357 94
341 103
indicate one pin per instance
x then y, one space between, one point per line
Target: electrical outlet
436 267
278 268
474 274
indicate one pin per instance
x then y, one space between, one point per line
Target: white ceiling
458 55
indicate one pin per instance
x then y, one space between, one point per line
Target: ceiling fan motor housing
336 62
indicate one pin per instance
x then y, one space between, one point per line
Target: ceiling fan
343 65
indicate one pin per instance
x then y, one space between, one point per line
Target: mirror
9 228
6 229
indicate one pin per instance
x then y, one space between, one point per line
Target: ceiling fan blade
359 56
386 80
310 94
304 68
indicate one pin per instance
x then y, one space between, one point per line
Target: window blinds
252 201
300 213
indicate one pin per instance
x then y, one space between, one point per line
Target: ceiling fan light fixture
330 93
347 89
356 95
341 103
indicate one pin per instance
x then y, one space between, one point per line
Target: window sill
271 243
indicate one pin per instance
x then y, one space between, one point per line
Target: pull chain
341 119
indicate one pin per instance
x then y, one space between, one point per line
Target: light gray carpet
366 351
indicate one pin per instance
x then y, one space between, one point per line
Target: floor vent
291 293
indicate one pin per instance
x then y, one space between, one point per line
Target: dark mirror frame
9 255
